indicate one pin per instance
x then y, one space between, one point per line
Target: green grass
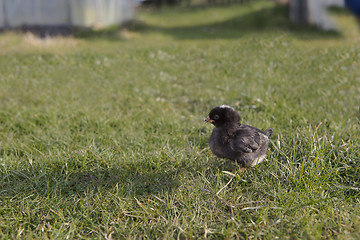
102 134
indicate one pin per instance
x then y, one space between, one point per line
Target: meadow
102 133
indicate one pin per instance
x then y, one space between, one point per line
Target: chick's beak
208 120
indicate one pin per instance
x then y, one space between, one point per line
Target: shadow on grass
128 178
271 19
53 181
134 183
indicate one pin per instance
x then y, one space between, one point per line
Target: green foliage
102 136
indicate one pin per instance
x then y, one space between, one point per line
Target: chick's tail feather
268 132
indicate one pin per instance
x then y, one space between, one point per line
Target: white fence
80 13
314 12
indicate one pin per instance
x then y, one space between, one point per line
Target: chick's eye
216 117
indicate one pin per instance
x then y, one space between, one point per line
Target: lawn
102 133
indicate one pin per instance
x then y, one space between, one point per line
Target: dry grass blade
227 183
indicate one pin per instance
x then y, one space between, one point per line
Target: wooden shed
73 13
2 17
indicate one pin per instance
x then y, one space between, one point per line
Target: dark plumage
230 139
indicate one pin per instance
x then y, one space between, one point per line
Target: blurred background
60 17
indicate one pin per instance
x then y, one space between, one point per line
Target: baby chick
230 139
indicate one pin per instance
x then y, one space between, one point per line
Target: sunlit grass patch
103 136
